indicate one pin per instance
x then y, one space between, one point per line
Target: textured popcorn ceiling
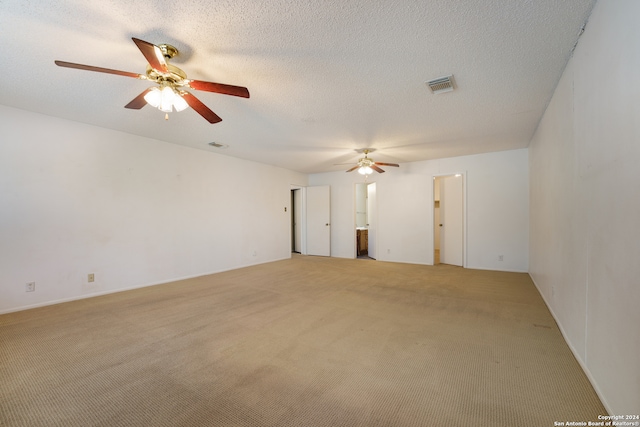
325 77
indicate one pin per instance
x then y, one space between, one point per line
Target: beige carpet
309 341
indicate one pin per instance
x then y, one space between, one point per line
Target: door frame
355 212
296 210
302 217
372 213
463 175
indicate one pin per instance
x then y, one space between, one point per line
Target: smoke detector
441 85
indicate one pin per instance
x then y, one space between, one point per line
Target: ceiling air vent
218 145
441 85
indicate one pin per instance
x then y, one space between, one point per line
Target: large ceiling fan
366 166
170 93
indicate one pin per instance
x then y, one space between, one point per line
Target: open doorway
296 220
365 220
448 215
310 216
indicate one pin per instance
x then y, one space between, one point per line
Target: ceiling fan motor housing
175 76
365 162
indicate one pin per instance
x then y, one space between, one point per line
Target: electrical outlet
388 251
500 257
30 287
91 277
255 253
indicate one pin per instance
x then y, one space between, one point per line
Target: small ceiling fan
366 166
170 93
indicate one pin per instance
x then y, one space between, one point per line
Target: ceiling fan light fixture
179 103
167 96
153 97
365 170
165 99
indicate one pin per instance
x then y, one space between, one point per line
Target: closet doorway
448 215
296 220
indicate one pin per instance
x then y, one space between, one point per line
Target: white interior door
372 213
451 232
319 221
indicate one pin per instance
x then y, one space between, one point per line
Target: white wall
497 198
78 199
585 204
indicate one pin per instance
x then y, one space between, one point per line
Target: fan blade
377 169
219 88
353 168
98 69
200 108
138 102
387 164
152 54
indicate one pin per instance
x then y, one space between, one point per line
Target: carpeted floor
309 341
